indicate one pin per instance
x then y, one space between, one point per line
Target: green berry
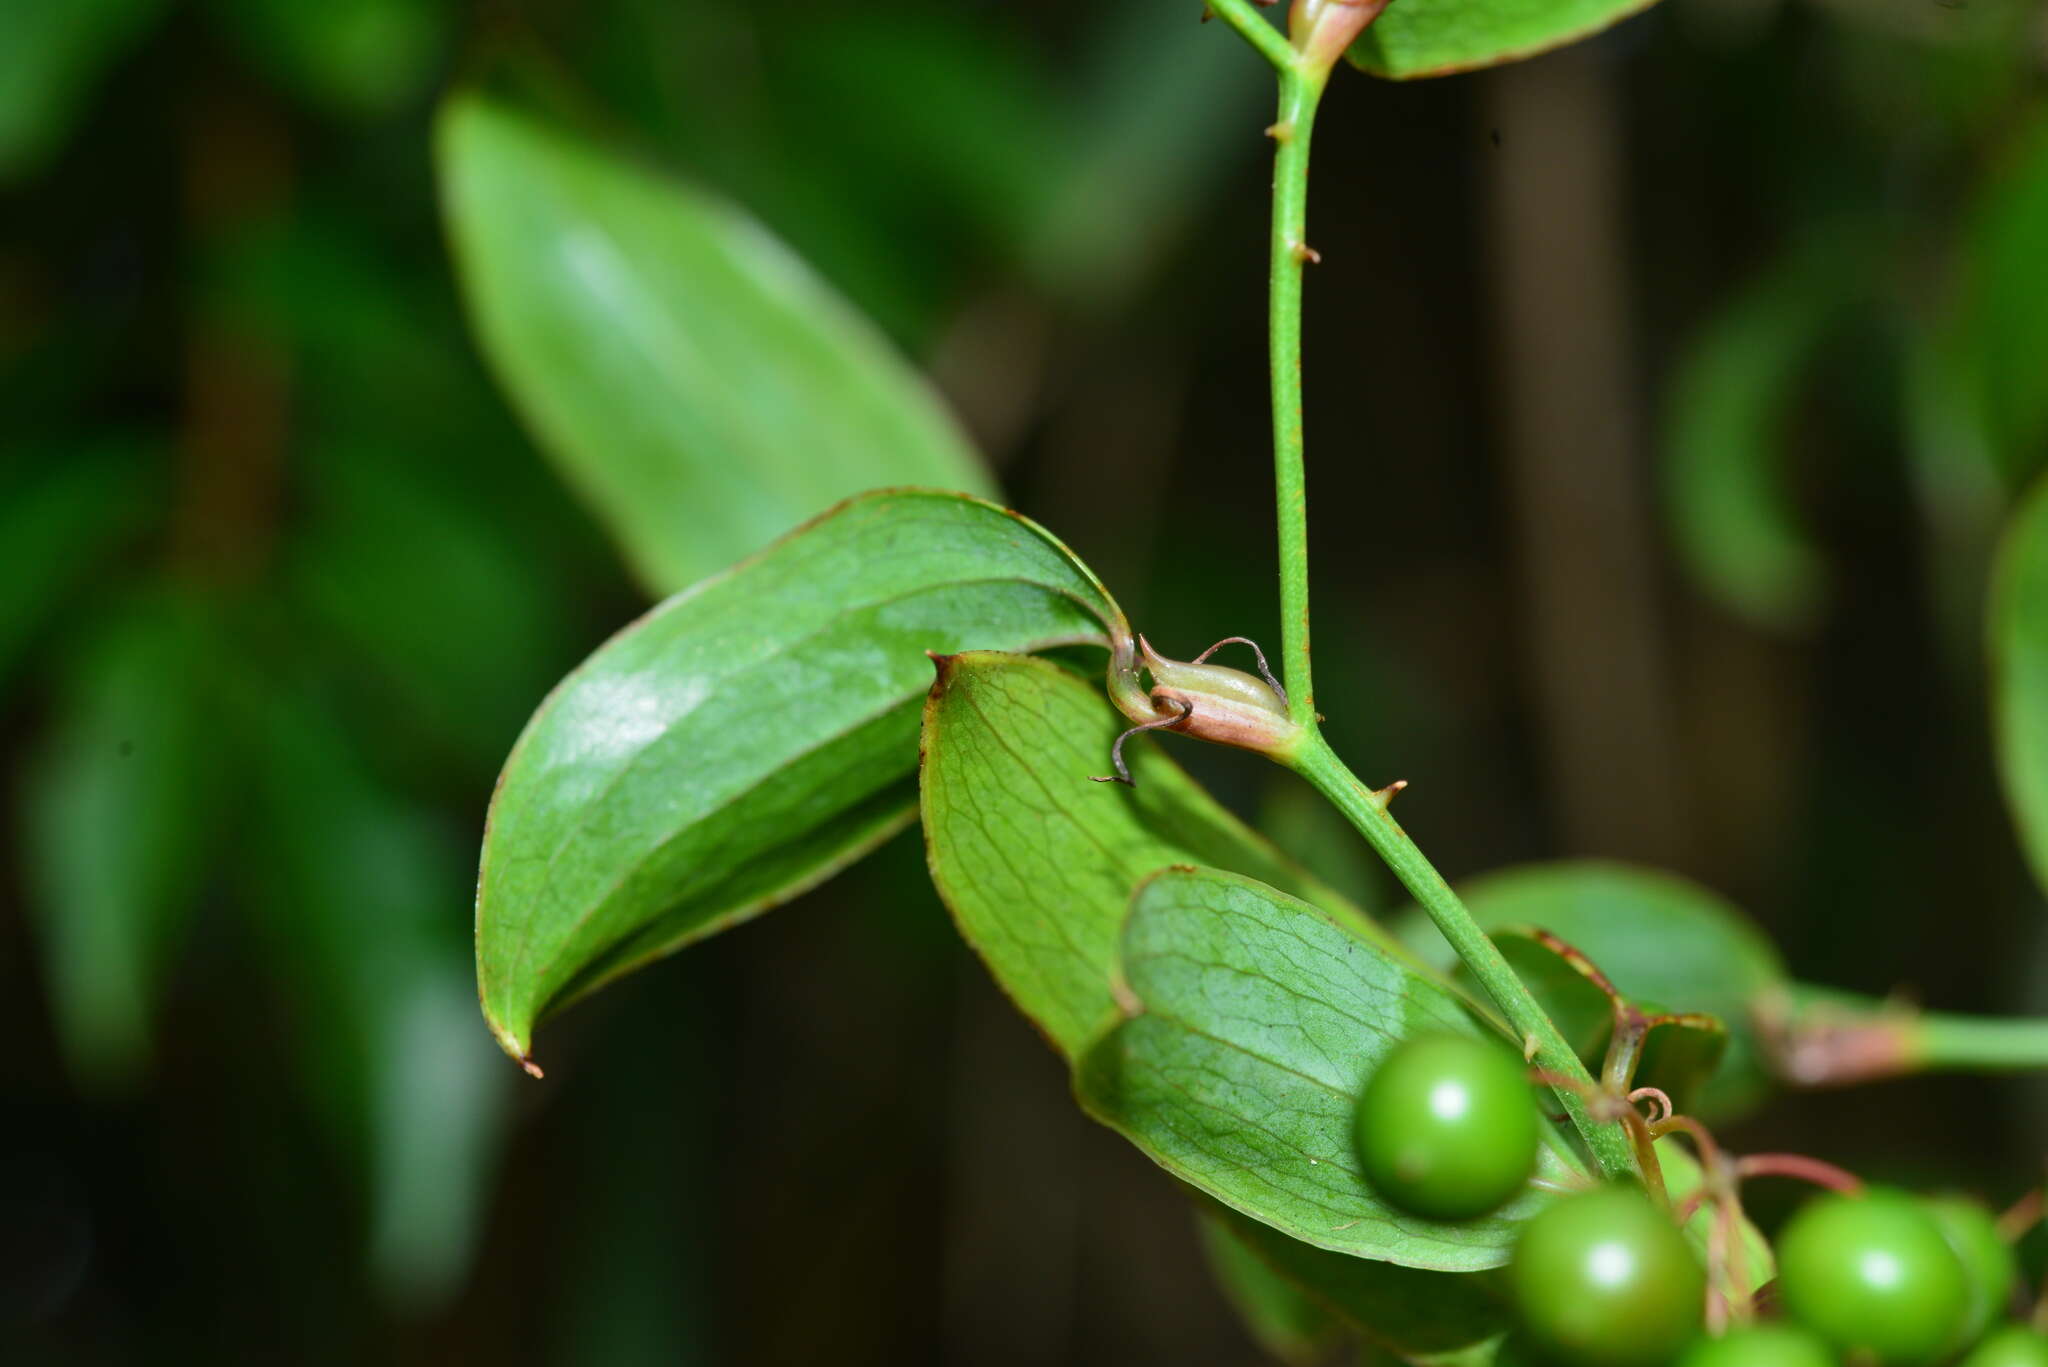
1447 1127
1874 1276
2013 1346
1988 1265
1604 1279
1760 1345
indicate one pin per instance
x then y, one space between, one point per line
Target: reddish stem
1798 1165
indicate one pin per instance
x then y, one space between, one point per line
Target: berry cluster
1448 1128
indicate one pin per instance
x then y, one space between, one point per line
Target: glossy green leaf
1416 38
1253 1024
2019 673
1660 938
119 818
747 738
51 54
349 57
1037 863
1284 1319
1728 453
695 382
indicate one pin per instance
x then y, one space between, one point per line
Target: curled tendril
1116 751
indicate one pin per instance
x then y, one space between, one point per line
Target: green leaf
1727 450
1254 1023
1578 1008
747 738
1418 1315
694 381
1677 1056
1999 327
1660 938
50 56
2019 673
1282 1317
1415 38
348 57
117 817
1035 862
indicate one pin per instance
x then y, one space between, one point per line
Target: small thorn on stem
1116 751
1282 131
1530 1044
532 1068
1384 796
1304 253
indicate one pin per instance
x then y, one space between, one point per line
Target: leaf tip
515 1045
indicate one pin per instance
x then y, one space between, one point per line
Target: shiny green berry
1988 1264
1760 1345
1447 1127
2013 1346
1604 1279
1874 1276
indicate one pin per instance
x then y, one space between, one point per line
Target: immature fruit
1604 1279
2013 1346
1447 1127
1988 1266
1760 1345
1874 1276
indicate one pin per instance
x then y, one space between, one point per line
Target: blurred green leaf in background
51 58
124 822
694 379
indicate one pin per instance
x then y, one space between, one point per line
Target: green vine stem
1939 1042
1268 40
1319 32
1299 95
1367 810
1817 1037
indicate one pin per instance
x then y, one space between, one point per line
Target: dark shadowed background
1645 526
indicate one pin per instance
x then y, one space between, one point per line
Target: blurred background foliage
1667 396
